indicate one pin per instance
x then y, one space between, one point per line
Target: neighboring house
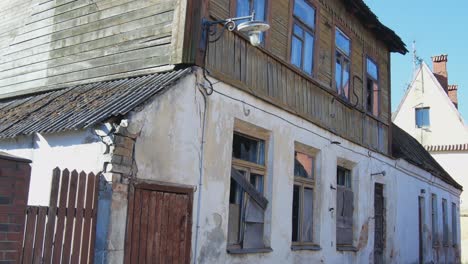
226 152
429 112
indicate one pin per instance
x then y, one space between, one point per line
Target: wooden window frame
348 57
346 247
304 183
379 90
256 133
233 13
312 31
434 222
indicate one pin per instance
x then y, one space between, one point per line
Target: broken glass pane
248 149
303 165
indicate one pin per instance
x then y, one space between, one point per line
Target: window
422 117
445 222
454 225
303 199
246 201
344 208
434 219
373 91
342 63
302 39
245 8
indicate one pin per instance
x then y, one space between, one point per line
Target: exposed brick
9 245
17 236
5 200
123 151
119 168
116 159
11 228
127 161
10 255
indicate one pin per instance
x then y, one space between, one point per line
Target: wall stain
364 236
211 250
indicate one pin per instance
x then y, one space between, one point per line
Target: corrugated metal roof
404 146
80 106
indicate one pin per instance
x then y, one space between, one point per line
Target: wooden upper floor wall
45 44
267 72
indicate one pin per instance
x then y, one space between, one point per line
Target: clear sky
438 27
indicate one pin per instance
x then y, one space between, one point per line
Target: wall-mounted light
251 28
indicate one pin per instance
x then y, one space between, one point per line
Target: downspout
200 167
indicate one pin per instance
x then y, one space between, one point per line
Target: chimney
439 67
452 94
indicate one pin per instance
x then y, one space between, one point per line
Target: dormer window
246 7
303 34
342 63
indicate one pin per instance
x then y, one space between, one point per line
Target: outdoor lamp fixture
378 173
252 28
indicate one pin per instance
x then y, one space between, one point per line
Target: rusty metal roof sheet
80 106
406 147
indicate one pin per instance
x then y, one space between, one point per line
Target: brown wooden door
159 224
379 216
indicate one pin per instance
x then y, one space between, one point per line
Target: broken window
303 199
434 219
246 201
344 208
373 91
445 222
342 63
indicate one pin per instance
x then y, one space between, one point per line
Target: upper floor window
373 91
342 63
303 199
246 7
302 38
422 117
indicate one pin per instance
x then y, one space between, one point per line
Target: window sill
346 248
306 247
249 250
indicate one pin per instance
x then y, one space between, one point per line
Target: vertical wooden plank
70 217
94 217
130 220
172 245
61 217
164 225
79 218
158 225
136 227
143 226
183 229
29 234
87 218
51 215
39 241
152 221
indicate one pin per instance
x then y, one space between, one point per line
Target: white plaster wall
169 150
446 125
80 150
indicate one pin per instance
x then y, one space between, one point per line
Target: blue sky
438 27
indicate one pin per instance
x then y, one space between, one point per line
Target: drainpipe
201 160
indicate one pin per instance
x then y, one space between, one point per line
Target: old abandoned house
429 112
218 150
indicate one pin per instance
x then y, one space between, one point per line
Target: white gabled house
429 113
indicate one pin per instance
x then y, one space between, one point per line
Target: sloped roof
406 147
372 22
80 106
7 156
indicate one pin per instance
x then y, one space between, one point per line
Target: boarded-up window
445 222
246 201
434 219
303 199
344 208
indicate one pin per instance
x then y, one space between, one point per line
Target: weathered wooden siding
266 73
50 43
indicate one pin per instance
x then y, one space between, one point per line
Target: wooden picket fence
65 231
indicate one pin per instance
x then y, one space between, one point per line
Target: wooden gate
159 224
63 232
